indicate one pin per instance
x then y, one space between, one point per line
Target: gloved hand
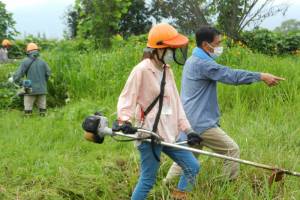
193 138
11 80
126 127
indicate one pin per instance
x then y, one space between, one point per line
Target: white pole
263 166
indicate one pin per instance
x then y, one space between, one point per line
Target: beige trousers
30 100
218 141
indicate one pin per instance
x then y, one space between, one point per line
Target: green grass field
47 158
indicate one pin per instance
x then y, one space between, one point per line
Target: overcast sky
46 16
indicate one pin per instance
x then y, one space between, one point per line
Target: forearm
184 125
244 77
227 75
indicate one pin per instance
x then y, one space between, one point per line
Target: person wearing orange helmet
150 99
3 51
37 74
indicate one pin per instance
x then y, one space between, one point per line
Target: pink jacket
142 87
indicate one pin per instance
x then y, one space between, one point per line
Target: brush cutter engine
96 127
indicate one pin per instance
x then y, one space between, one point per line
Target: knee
235 150
147 180
146 183
195 166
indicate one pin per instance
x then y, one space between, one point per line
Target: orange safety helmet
6 43
165 36
31 47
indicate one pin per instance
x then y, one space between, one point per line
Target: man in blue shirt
199 96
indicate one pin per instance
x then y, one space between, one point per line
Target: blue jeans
149 168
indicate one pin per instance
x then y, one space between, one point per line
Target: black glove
126 127
194 138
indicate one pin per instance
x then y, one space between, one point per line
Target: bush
272 43
290 43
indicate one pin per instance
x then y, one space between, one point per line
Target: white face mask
168 57
217 51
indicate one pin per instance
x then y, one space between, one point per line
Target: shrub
272 43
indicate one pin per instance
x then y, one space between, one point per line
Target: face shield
180 55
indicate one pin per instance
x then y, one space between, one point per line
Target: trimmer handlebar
96 128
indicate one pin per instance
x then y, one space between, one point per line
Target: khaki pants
30 100
218 141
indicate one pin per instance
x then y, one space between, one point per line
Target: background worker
37 73
6 44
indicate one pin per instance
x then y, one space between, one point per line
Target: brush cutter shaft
194 150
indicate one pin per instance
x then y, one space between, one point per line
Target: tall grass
46 158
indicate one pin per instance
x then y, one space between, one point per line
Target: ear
205 46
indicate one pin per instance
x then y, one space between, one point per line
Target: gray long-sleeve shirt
199 88
38 73
3 55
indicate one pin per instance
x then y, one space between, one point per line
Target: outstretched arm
224 74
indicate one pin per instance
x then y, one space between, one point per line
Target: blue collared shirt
199 88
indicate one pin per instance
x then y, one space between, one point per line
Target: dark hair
206 34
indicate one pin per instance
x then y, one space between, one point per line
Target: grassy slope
46 158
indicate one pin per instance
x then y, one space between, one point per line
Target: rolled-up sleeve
128 98
217 72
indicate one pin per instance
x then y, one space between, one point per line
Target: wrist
263 76
190 130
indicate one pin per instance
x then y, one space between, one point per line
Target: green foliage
230 15
99 20
137 20
52 161
235 15
291 25
272 43
71 19
18 49
7 24
186 17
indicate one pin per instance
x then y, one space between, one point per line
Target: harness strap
32 61
158 99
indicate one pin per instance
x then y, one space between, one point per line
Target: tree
291 25
236 15
99 19
7 23
71 17
187 15
137 20
233 16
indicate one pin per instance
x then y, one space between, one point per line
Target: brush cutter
96 129
25 87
